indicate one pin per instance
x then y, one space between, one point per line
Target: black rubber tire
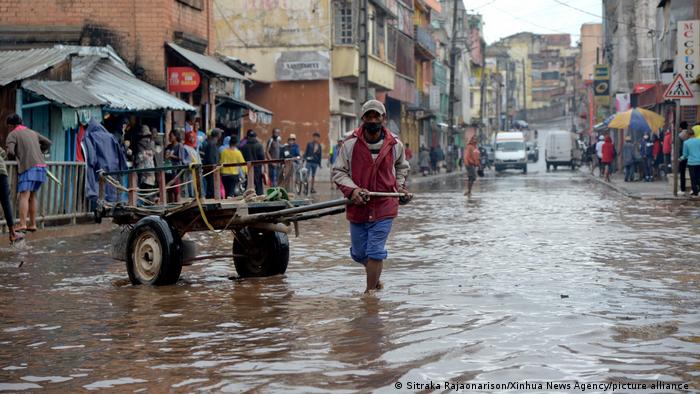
260 253
156 230
548 165
499 169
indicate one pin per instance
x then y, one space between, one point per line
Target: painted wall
299 107
591 38
259 30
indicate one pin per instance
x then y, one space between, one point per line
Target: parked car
562 149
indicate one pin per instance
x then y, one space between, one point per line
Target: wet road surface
543 277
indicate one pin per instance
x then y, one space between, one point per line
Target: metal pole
524 92
674 145
362 35
453 61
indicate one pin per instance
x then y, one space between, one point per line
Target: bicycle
301 179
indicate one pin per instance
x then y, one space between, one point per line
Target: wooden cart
151 241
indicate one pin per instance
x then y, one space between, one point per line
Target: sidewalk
656 190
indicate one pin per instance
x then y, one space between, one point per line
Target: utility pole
482 101
524 92
362 35
573 99
453 66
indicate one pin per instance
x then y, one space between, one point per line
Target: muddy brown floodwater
544 277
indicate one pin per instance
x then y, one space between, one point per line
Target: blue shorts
31 180
312 167
369 240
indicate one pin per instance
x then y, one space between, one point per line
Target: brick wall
136 29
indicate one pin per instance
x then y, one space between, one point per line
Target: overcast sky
505 17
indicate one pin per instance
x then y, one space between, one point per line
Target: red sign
183 79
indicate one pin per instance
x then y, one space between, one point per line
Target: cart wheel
258 253
154 253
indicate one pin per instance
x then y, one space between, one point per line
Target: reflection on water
543 277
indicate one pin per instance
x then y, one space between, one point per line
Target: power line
603 17
483 5
218 8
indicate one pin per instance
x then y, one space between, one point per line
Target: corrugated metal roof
99 77
122 90
19 65
67 93
206 63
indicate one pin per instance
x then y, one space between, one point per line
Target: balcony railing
647 68
425 41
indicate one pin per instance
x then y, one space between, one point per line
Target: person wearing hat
313 156
599 155
253 151
145 158
290 150
371 159
628 158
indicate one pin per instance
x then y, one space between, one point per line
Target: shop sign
183 79
688 57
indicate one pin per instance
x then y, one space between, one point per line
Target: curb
634 196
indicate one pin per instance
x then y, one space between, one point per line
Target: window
379 39
392 44
343 22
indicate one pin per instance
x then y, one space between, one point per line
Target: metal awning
242 104
67 93
123 91
19 65
206 63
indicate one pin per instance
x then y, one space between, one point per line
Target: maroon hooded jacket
354 168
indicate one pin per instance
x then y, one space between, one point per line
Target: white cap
292 136
373 105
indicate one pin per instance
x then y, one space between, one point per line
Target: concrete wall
591 38
137 30
258 31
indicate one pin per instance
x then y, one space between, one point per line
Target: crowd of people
650 158
191 145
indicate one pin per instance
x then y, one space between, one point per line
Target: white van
561 149
510 151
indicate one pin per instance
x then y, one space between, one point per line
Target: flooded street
540 277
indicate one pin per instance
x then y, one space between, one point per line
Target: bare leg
313 183
32 210
374 271
23 209
469 188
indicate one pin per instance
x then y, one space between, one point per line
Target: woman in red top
667 147
608 156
